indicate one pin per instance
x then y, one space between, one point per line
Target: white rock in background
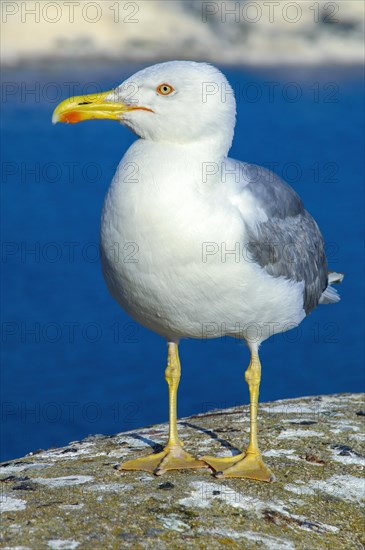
248 32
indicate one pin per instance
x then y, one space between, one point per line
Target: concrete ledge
73 497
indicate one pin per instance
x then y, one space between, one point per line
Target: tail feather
334 277
330 295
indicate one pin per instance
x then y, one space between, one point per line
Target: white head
178 101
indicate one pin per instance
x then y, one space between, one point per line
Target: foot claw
250 466
173 458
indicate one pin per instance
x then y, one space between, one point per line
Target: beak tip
79 108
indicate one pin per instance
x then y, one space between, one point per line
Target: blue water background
108 376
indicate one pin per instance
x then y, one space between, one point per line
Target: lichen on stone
75 498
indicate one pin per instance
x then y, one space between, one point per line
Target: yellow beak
78 108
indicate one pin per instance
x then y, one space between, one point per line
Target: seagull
195 244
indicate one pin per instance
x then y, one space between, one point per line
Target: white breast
165 242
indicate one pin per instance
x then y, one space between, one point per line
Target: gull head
176 101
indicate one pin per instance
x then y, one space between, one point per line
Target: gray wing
289 244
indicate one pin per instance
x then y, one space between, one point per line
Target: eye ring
164 89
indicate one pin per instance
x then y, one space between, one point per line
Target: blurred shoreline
241 33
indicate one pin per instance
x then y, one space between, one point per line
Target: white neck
180 154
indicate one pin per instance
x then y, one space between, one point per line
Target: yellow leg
173 457
249 464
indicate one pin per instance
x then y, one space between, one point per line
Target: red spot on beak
72 117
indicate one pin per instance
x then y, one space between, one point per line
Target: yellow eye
164 89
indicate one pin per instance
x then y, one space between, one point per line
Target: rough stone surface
74 497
